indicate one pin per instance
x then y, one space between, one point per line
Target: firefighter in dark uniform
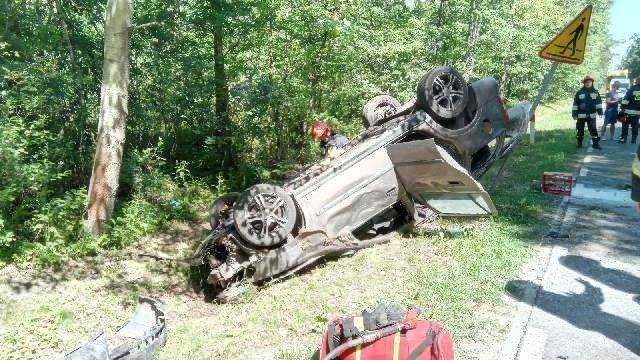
587 105
631 109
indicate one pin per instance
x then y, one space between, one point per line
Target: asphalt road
586 302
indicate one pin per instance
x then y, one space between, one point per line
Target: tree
222 86
114 95
631 60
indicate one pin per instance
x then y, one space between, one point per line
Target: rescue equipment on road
386 333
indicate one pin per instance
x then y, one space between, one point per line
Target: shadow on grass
156 265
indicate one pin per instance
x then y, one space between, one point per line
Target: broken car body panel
436 180
138 339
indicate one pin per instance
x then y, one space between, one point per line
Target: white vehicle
624 85
620 76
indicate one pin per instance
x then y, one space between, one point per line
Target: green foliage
60 219
286 63
631 60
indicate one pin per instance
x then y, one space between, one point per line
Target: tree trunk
62 23
474 34
504 79
222 86
113 114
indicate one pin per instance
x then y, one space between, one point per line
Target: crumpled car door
436 180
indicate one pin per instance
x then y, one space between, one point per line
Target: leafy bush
60 220
56 231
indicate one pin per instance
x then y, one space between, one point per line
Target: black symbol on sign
577 34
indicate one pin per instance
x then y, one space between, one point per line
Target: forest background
222 94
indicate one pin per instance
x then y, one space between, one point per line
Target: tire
264 204
442 93
221 211
376 110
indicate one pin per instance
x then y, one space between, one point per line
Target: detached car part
424 156
138 339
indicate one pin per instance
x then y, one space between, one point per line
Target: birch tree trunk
474 34
113 114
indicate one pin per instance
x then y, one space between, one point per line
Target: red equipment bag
427 341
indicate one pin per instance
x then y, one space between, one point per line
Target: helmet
587 78
319 130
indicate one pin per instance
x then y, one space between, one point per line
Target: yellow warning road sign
570 44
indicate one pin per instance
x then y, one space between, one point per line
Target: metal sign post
541 92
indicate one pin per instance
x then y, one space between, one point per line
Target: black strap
333 339
349 329
428 341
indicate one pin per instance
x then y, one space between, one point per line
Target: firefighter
631 108
331 143
587 105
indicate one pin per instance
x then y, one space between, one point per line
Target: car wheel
221 211
442 93
376 110
264 215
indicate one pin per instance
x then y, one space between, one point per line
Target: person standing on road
587 105
631 108
331 143
611 111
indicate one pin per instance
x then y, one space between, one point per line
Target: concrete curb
563 219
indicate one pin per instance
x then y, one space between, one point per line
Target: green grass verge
457 281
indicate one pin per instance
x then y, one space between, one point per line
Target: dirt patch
151 260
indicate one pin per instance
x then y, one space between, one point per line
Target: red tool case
556 183
427 341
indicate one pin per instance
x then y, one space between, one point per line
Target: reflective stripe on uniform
582 116
358 322
632 112
396 346
625 102
635 168
599 106
593 116
575 107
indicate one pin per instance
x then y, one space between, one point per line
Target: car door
436 180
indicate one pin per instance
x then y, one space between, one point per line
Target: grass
458 281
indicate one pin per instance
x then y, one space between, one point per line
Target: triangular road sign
570 44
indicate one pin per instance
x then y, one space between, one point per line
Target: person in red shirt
331 142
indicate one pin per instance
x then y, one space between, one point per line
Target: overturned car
424 155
